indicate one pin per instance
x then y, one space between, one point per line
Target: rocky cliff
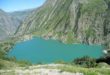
71 21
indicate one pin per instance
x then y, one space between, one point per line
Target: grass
67 68
86 71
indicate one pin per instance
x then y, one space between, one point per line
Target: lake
48 51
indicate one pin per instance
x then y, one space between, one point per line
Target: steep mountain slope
21 15
85 21
7 25
9 22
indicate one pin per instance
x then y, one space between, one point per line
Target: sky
19 5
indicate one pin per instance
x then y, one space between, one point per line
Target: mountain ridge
72 21
9 22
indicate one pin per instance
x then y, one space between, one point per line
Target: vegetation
6 62
24 63
90 32
105 59
71 38
85 65
2 54
103 65
60 62
88 62
85 62
4 49
86 71
97 6
1 65
63 68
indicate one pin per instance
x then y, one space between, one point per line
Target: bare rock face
71 21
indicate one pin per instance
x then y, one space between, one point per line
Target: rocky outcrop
84 21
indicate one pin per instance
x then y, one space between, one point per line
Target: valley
60 37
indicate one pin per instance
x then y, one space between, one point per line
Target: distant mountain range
9 22
71 21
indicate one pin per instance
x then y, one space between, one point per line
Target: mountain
7 25
21 15
9 22
71 21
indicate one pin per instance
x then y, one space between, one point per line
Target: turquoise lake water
48 51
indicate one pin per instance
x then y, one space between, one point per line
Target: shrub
102 65
105 59
86 62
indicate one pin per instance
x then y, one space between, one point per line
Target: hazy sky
16 5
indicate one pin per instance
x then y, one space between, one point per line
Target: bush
86 62
102 65
105 59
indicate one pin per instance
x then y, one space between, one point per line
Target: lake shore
48 69
55 69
